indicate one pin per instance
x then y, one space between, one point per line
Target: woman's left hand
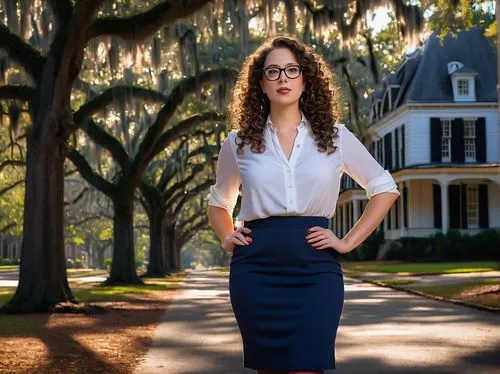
322 238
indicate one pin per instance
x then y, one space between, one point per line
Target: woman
288 152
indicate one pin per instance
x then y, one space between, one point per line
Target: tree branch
89 175
145 24
176 190
187 86
106 140
10 225
184 127
99 216
11 163
187 233
17 92
8 188
62 9
192 193
21 52
169 171
80 195
116 93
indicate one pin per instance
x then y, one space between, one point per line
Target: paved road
381 331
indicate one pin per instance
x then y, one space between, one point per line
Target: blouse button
298 145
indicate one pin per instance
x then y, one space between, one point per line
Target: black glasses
273 73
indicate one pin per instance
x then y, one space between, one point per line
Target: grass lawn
111 342
396 282
421 267
71 272
86 272
481 292
478 292
8 268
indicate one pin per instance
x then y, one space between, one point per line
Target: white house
435 127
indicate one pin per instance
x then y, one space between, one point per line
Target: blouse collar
303 122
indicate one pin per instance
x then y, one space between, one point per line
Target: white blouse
306 184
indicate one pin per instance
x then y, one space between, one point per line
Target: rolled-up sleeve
224 193
360 165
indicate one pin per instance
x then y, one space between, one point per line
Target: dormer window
463 81
463 87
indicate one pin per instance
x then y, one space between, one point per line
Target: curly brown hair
248 107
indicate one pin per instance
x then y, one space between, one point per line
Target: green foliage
9 261
204 249
11 203
423 267
368 249
107 263
78 263
443 18
452 246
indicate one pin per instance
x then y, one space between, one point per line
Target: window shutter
405 205
397 153
403 146
457 140
436 198
483 206
454 208
463 203
396 210
435 130
480 140
388 151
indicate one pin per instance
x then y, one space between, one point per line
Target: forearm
220 221
374 213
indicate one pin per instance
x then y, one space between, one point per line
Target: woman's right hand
236 238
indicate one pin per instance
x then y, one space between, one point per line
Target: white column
355 211
344 215
444 206
401 209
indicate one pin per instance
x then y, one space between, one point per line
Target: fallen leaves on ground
112 342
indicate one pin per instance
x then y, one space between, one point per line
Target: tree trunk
156 266
178 250
123 264
166 248
42 274
171 248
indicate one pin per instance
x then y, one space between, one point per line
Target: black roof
423 75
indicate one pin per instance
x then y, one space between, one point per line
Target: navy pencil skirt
287 296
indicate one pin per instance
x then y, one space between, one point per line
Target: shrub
7 261
107 263
450 247
369 248
78 263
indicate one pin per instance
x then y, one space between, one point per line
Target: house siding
417 129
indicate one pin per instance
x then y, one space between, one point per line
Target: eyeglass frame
282 70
